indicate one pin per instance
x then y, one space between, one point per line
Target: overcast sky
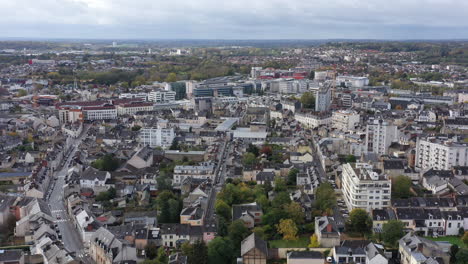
235 19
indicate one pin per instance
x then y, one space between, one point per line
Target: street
69 235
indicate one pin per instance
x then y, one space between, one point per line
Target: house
142 158
380 217
297 157
254 250
250 213
177 258
417 250
14 256
5 214
192 216
359 251
327 231
94 179
106 248
304 257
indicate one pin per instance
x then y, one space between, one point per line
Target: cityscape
250 149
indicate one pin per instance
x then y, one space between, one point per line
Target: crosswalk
58 211
61 221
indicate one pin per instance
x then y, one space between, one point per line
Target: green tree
174 210
453 253
196 253
294 212
292 174
462 256
237 232
308 100
393 231
350 159
171 77
106 163
359 221
401 187
253 149
325 197
280 185
151 251
222 209
281 199
136 128
249 159
288 229
220 250
22 93
162 256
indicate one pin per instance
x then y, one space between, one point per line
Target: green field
454 240
302 242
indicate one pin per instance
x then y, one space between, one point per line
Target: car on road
58 216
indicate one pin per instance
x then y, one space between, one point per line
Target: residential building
99 113
352 81
203 171
157 137
345 120
251 214
304 257
440 153
254 250
417 250
359 252
92 178
327 231
323 99
162 96
106 248
365 188
134 107
142 159
312 120
379 136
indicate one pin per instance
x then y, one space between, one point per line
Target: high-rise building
380 135
345 120
365 188
323 99
440 153
157 137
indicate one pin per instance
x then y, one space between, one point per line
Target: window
450 225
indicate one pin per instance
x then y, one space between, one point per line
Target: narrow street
70 236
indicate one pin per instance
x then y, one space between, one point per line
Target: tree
462 256
196 253
292 176
325 197
165 215
280 185
174 210
151 251
136 128
22 93
401 187
308 100
465 238
281 199
253 149
359 221
267 150
453 253
314 241
222 209
350 159
174 145
312 75
162 256
393 231
171 77
294 211
220 250
237 232
249 159
106 163
288 229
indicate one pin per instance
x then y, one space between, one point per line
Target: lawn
301 242
451 239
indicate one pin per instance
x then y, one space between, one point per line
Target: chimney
329 228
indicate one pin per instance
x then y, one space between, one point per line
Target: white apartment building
352 81
133 108
345 120
99 113
440 153
323 99
142 96
157 137
161 96
311 120
364 188
203 171
379 136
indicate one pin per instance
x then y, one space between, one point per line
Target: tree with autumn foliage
288 229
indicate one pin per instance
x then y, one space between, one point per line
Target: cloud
234 19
